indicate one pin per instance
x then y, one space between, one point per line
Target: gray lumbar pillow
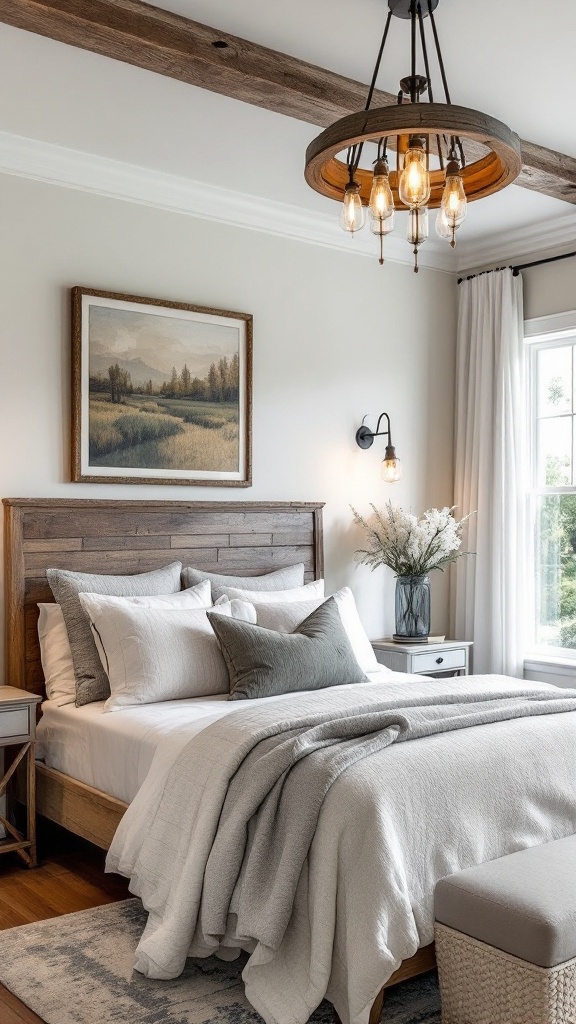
281 579
264 663
91 679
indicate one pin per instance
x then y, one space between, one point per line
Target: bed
249 539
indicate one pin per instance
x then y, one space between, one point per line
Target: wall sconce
391 466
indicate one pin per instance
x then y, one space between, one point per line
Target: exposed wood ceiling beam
157 40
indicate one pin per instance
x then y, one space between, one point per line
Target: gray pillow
280 579
264 663
91 679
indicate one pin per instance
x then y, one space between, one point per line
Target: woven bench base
483 985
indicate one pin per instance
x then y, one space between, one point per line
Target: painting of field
144 433
164 389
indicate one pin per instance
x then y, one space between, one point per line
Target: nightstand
449 658
18 729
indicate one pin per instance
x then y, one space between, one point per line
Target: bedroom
119 179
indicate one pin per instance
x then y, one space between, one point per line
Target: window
553 494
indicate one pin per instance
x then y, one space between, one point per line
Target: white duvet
385 836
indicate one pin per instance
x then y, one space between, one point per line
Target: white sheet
114 752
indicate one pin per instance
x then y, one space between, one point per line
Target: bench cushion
524 903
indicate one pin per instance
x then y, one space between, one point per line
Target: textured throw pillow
91 681
92 604
157 654
287 616
309 592
264 663
281 579
56 656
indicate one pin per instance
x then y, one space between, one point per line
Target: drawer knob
439 661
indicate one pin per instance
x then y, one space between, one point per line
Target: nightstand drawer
14 723
439 661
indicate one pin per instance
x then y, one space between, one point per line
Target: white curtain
488 593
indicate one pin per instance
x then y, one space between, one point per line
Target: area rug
77 969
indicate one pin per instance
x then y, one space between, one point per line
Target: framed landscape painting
161 392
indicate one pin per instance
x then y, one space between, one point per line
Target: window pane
555 381
555 451
556 571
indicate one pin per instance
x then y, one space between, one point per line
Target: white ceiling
511 59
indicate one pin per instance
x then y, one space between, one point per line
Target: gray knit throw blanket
271 810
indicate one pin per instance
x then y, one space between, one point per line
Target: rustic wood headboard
240 538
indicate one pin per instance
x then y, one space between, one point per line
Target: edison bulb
382 225
443 229
417 232
391 466
414 184
381 199
454 202
352 216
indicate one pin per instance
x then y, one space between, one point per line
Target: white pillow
309 592
285 617
56 655
199 596
156 654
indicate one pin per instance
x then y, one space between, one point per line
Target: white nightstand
449 658
18 729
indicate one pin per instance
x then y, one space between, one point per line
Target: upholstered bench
506 939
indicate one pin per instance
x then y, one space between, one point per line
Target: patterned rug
77 969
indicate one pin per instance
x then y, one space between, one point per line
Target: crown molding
115 179
537 241
70 168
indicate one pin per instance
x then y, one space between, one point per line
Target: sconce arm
365 437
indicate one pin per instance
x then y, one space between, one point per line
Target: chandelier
446 155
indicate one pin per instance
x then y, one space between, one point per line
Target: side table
18 729
448 658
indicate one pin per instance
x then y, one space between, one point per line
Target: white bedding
114 752
385 835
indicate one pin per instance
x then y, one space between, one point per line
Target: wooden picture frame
161 392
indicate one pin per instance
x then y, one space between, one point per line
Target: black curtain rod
521 266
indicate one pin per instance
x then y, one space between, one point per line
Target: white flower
411 547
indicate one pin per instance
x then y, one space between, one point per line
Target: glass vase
412 608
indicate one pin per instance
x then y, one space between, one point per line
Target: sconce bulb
414 183
391 470
352 216
391 466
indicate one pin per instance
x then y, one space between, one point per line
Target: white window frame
541 333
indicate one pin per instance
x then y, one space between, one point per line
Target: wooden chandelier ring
499 168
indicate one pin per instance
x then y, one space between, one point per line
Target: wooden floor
70 877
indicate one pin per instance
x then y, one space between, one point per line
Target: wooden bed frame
239 538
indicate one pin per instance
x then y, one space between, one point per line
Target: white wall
335 336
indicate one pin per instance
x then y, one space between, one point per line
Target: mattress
113 751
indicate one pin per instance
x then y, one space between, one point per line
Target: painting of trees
162 391
120 383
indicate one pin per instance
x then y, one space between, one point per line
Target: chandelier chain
439 53
355 152
429 77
